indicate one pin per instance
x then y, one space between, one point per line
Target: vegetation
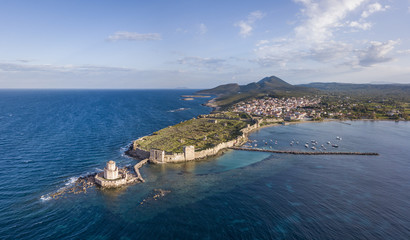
230 94
339 100
202 133
343 101
228 115
365 107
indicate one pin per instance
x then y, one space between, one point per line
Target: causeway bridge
302 153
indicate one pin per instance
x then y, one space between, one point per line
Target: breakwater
137 167
303 153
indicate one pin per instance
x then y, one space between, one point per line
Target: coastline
141 154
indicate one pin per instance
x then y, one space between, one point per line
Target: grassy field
201 133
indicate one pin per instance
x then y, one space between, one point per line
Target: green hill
273 86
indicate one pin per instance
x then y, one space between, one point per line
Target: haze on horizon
201 44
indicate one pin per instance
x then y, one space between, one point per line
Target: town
317 108
287 108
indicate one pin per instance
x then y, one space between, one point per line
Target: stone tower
157 155
111 171
189 153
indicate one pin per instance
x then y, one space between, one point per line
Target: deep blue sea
48 138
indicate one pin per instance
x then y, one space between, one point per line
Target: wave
124 149
45 198
70 182
178 110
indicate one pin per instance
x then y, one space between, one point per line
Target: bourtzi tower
111 171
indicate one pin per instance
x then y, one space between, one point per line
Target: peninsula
238 110
196 138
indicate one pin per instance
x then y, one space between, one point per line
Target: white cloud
407 51
373 8
13 67
245 26
377 52
360 25
370 9
323 17
315 44
202 29
203 63
262 42
181 30
133 36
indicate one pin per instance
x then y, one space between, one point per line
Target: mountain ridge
273 86
265 84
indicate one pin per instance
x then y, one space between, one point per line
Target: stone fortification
106 183
157 155
111 171
113 177
189 153
137 153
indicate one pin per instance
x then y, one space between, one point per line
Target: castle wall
213 151
189 152
138 153
99 179
175 157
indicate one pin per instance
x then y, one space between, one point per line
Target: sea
49 138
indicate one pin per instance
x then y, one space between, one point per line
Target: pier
303 153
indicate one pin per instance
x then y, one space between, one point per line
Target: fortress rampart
189 153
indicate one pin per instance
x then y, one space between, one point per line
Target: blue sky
201 44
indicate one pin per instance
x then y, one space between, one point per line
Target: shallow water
49 138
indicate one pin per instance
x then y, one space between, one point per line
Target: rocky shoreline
85 182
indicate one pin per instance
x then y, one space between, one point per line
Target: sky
201 44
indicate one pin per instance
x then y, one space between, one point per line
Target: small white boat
314 148
328 142
335 145
338 138
306 145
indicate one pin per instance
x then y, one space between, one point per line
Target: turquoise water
49 138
